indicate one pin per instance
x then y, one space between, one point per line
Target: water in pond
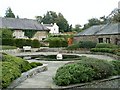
53 57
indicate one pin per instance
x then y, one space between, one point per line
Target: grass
4 47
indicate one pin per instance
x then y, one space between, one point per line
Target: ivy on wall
30 33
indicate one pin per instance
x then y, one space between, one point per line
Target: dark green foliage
57 42
22 64
9 13
82 44
12 67
30 33
73 47
35 64
35 44
8 41
6 33
102 68
105 45
10 72
20 42
107 50
116 66
53 17
73 73
87 44
87 69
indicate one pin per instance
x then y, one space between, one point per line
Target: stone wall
95 38
40 35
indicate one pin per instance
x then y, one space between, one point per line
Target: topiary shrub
73 47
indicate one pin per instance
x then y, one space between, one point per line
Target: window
100 40
107 40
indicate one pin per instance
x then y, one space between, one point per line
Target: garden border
27 74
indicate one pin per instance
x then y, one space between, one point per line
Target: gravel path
44 79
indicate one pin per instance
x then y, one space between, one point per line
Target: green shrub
73 47
7 41
35 44
35 64
107 50
102 68
87 44
20 42
57 42
116 67
22 64
105 45
10 72
85 70
73 73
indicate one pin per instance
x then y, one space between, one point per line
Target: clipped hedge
85 70
21 42
108 50
87 44
35 64
12 67
57 42
106 45
7 41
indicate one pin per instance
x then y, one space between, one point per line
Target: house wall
95 38
18 34
40 35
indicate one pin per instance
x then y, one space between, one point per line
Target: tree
77 28
53 17
116 17
9 13
92 22
6 33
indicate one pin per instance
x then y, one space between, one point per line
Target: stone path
44 79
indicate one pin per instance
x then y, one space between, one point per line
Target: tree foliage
53 17
9 13
6 33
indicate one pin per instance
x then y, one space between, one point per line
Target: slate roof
101 29
48 25
25 24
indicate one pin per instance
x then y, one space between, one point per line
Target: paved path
44 79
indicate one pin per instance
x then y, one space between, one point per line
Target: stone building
20 26
109 33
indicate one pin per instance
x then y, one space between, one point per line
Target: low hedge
21 42
35 64
108 50
85 70
106 45
10 72
12 67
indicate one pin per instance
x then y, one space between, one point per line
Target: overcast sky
75 11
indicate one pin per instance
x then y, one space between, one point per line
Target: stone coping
28 74
54 87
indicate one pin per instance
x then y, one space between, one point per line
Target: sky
75 11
